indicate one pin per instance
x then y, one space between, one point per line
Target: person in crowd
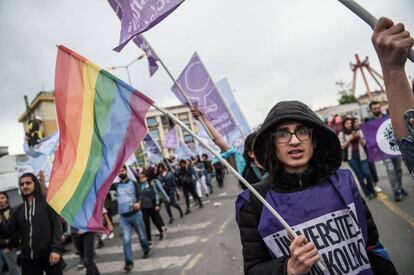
8 247
186 178
392 43
218 169
150 205
208 171
245 164
169 184
372 168
392 165
307 188
200 170
130 216
39 230
352 144
84 242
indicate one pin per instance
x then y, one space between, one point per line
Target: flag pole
238 176
178 85
225 104
366 16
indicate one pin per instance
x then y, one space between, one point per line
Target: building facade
158 125
43 105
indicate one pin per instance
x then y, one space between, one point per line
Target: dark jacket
325 162
38 226
186 177
13 241
168 182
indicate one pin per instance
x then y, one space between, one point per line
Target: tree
345 93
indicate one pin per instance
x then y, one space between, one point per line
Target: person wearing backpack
130 216
186 177
150 204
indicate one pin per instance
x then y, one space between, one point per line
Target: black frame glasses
277 135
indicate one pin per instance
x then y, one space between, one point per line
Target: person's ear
251 154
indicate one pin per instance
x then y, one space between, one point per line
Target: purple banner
138 16
202 92
140 41
378 133
183 152
171 140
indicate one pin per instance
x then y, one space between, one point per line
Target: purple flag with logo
171 140
140 41
378 133
202 92
141 15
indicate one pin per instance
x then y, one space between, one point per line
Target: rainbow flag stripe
101 122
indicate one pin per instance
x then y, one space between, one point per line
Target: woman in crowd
352 143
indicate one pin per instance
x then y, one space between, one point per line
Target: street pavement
207 240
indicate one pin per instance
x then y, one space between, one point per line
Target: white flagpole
365 15
239 177
178 85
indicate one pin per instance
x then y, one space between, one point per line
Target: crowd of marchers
33 237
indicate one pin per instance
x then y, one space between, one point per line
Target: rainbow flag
101 122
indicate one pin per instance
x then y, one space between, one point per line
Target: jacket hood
327 156
37 194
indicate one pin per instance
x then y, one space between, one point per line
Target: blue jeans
11 260
127 223
393 167
208 182
361 170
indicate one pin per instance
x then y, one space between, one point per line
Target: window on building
188 138
183 116
152 122
155 134
164 120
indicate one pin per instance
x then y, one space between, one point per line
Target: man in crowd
392 165
39 230
129 208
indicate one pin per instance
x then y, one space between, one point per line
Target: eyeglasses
284 135
25 183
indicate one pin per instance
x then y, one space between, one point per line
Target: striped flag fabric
101 122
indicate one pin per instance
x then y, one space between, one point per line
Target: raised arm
392 43
218 139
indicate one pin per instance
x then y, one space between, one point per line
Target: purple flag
378 133
171 139
140 41
152 57
183 152
203 93
138 16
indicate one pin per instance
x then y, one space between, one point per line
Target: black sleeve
137 191
380 265
56 230
7 229
257 259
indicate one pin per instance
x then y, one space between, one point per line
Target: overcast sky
270 50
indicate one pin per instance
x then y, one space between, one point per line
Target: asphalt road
207 240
